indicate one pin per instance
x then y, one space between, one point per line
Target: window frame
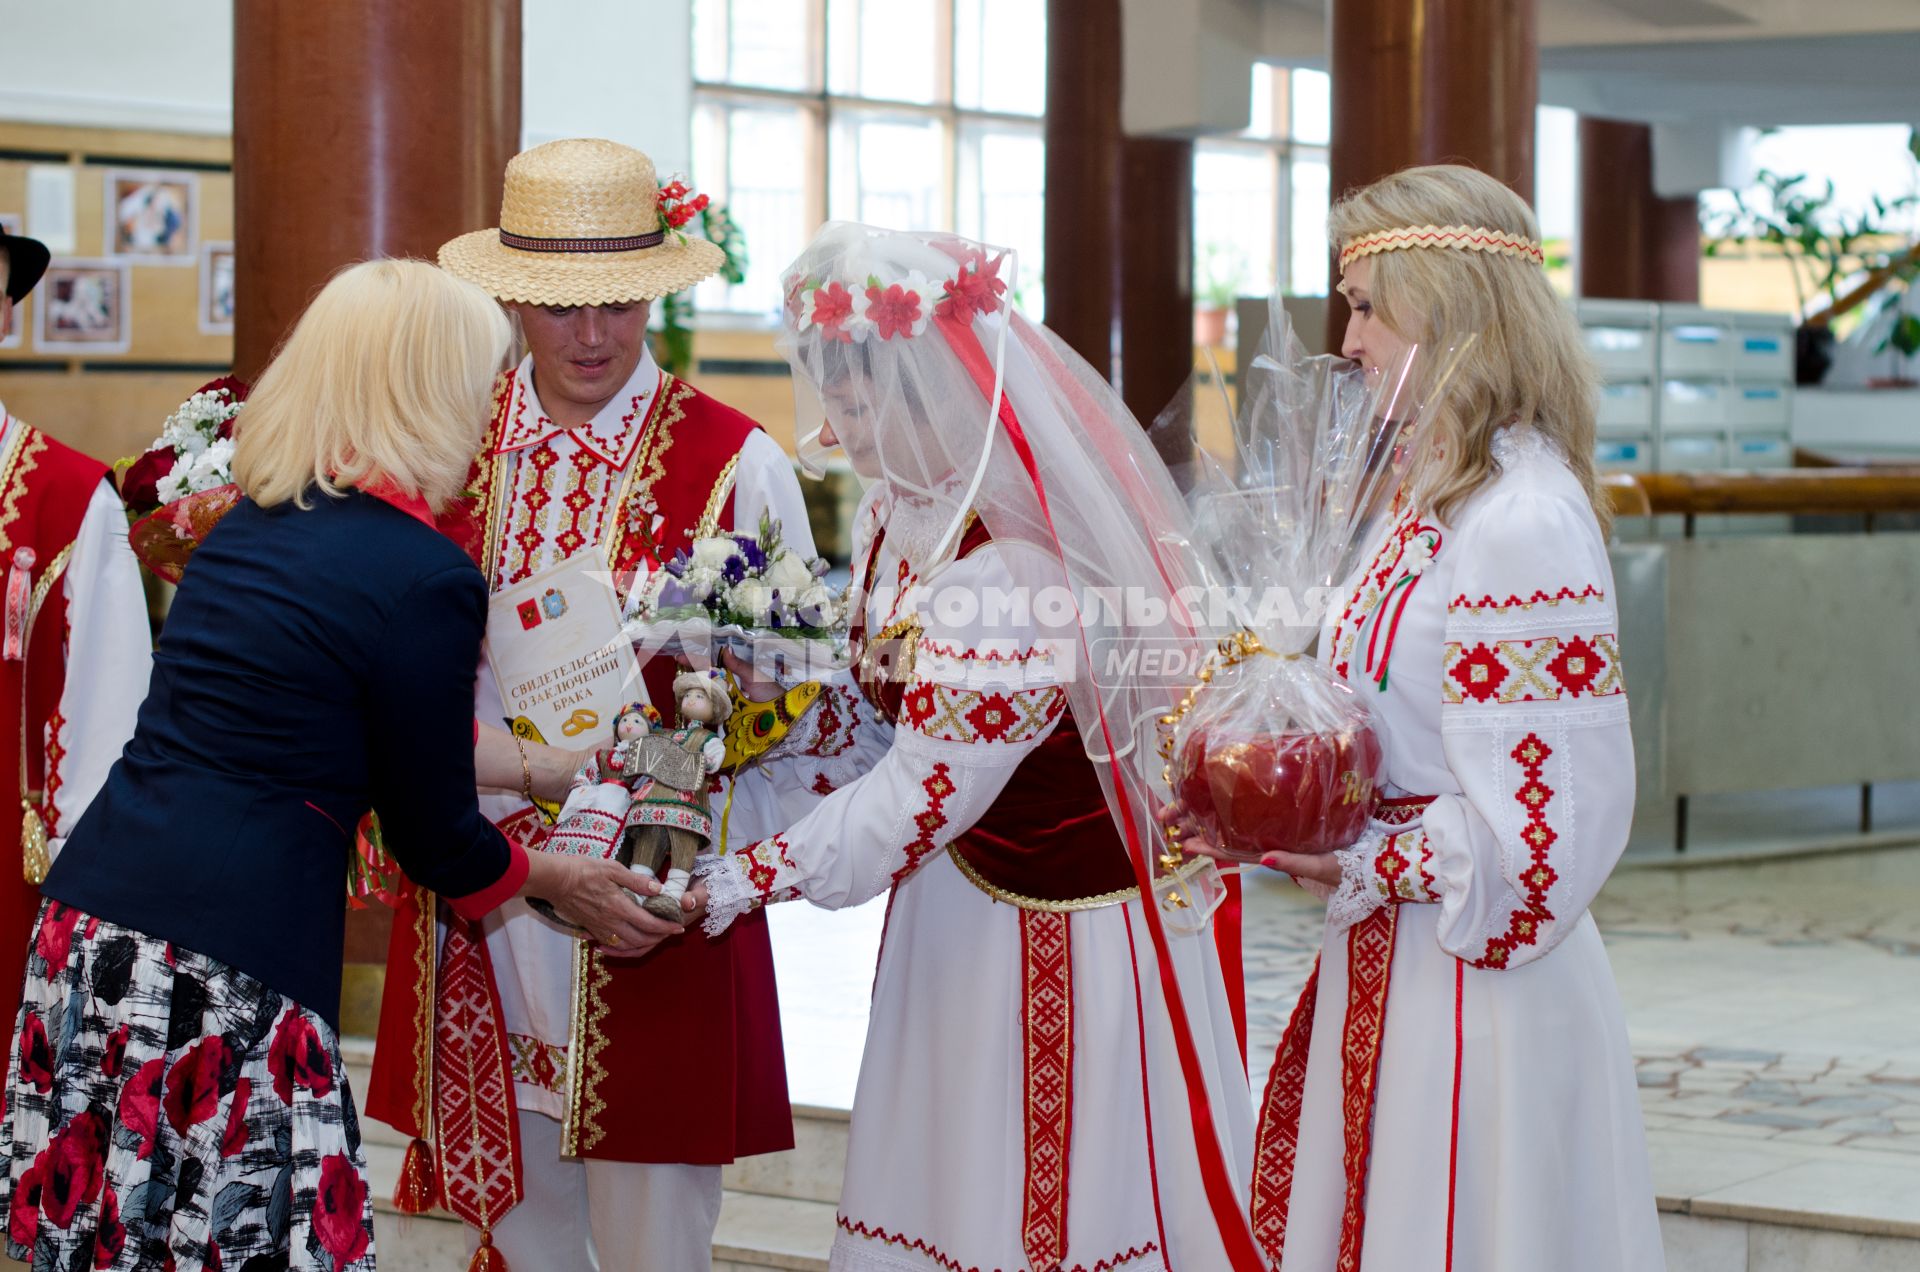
819 107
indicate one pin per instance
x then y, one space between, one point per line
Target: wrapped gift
1269 751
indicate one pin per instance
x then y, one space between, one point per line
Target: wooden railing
1794 491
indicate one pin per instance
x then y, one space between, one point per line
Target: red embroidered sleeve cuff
477 905
1403 868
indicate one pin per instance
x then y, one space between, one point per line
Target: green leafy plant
673 342
1223 276
1822 247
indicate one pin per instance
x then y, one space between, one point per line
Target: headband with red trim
1465 238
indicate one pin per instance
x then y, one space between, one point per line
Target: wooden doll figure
670 821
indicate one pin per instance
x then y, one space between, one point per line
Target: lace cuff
1359 893
729 895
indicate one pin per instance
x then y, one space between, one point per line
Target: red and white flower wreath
895 310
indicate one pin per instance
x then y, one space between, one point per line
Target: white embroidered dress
939 1174
1506 1128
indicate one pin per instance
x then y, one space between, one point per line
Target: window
916 114
1260 198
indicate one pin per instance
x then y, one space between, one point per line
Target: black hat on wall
28 259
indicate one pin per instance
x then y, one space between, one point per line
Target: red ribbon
1228 1217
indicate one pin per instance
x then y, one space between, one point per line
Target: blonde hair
1527 362
387 375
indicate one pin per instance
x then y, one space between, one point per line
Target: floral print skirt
164 1111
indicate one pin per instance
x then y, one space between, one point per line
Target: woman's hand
601 897
1194 839
554 768
1306 867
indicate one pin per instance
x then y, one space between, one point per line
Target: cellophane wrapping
1273 753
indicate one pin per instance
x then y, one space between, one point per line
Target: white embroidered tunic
1506 1128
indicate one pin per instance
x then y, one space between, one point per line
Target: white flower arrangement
197 435
746 586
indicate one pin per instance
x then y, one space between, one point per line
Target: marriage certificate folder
563 667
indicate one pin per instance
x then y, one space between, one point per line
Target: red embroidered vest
44 491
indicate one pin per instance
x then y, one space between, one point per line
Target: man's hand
758 688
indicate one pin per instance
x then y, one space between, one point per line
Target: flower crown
1465 238
850 312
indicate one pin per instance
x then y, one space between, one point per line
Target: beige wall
103 412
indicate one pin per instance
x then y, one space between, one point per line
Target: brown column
1123 265
361 128
1431 81
1156 275
1082 228
1633 244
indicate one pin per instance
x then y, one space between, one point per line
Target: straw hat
580 224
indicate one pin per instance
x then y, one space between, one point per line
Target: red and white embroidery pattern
473 1088
1523 926
1369 972
1541 670
56 752
763 862
1403 869
1046 968
1487 605
931 820
537 1063
835 718
975 715
922 1246
1278 1141
1370 590
533 491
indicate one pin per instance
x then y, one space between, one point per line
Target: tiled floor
1774 1009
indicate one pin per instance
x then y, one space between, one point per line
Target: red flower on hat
976 289
832 308
893 311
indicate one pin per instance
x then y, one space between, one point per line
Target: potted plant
1903 340
1222 277
1822 248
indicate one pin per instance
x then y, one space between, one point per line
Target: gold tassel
487 1258
35 861
417 1190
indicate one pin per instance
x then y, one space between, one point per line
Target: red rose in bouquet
181 487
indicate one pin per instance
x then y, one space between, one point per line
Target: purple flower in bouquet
751 552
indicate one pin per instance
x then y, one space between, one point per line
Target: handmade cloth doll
596 808
669 821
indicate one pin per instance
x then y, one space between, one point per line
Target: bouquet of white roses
751 592
183 484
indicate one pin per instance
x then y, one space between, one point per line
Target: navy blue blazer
316 663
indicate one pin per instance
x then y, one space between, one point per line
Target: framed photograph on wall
216 289
83 308
151 216
10 222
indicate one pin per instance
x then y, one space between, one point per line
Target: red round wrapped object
167 536
1295 792
1275 755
